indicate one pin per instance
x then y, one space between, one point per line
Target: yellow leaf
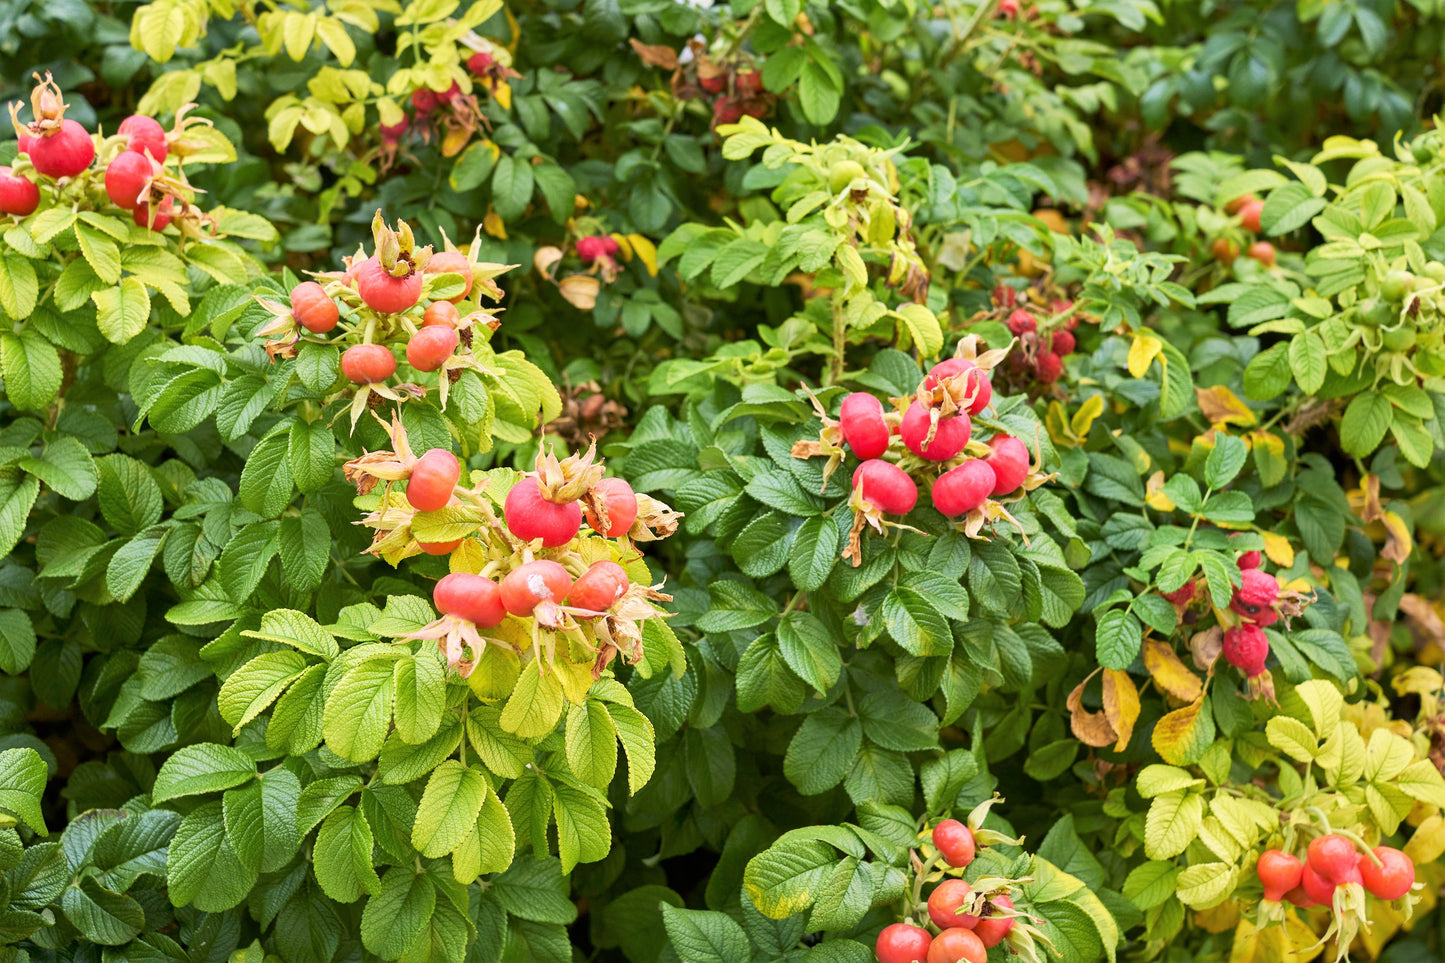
646 251
1278 548
1428 843
1121 705
1221 406
1154 495
1182 735
1054 421
468 557
454 141
1398 542
1169 673
503 95
496 673
1083 419
581 202
576 680
493 225
1142 353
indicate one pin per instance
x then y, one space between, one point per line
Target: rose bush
722 482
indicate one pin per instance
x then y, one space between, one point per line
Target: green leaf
266 479
201 768
822 751
298 630
735 606
342 856
591 744
1366 420
583 833
809 650
448 808
16 499
783 880
22 779
250 690
420 696
260 820
101 916
17 641
638 738
1224 461
66 468
915 624
31 367
705 936
1288 208
1118 639
122 311
202 868
511 187
536 703
818 95
1307 361
19 287
1151 884
130 498
358 711
311 455
396 916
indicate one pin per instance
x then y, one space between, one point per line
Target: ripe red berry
1062 342
593 247
1334 857
393 132
726 111
146 136
1005 296
1316 888
1182 595
451 93
1250 560
1048 368
599 587
312 306
155 216
960 490
480 63
472 597
528 586
1236 205
1010 463
1008 9
864 430
424 100
1279 872
383 292
530 516
901 943
944 901
433 478
368 363
1249 216
1246 648
886 486
64 153
1021 322
23 142
430 347
948 440
748 82
955 841
440 313
1299 897
452 262
1263 252
439 548
1255 597
1224 250
976 385
1394 876
619 501
18 195
991 930
957 945
125 178
713 83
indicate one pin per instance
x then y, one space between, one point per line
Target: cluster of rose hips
427 105
1040 358
542 513
935 430
736 89
1331 862
1248 209
597 248
969 923
1255 602
59 148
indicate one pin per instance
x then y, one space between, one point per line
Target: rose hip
1009 460
949 439
529 515
885 486
430 347
864 430
471 597
599 587
619 501
125 178
433 479
312 307
18 196
960 490
368 363
528 586
955 841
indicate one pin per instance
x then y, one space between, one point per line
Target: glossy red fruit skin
957 945
65 153
471 597
1393 878
1298 897
146 136
955 841
1250 560
1257 593
1316 888
1249 216
599 587
1236 205
1021 322
424 100
886 486
901 943
22 143
394 132
1182 595
1333 857
368 363
727 111
950 438
313 308
433 478
1010 463
977 383
944 901
440 313
530 516
1062 343
1279 872
384 293
451 93
991 930
18 196
439 548
621 504
1246 648
861 420
715 84
960 490
125 178
529 585
452 262
592 247
160 219
1263 252
479 63
1048 368
430 347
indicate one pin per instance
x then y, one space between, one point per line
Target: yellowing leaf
1398 542
1090 728
1083 419
503 95
1183 735
1169 673
1142 352
494 225
646 251
1222 407
1278 549
1121 705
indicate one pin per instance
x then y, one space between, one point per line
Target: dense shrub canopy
722 482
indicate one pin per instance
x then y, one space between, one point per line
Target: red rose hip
367 364
430 347
471 597
1394 876
1333 857
901 943
955 841
384 292
861 420
65 152
991 930
960 490
18 196
530 515
1009 460
944 903
599 587
125 178
433 479
312 307
619 502
957 945
885 486
949 439
1279 872
528 586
